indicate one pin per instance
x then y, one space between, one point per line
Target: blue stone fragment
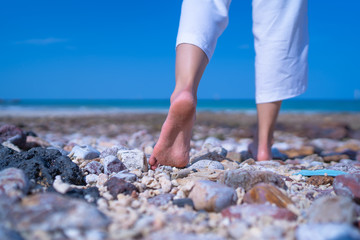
323 172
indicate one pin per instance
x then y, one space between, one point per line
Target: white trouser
280 29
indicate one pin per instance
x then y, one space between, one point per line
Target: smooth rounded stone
13 183
332 209
161 200
320 180
264 192
116 186
247 211
133 159
348 185
62 151
129 177
211 153
12 134
113 165
9 234
328 231
208 164
94 167
112 151
248 179
182 202
211 196
53 213
84 152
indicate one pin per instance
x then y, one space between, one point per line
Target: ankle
184 94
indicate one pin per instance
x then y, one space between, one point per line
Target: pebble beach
87 177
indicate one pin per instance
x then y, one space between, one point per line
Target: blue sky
126 49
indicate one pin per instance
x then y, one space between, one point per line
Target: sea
115 106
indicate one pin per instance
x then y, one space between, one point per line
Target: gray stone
112 151
211 196
182 202
53 213
210 153
332 209
84 152
129 177
116 186
13 183
161 199
248 179
113 165
208 164
133 159
94 167
328 231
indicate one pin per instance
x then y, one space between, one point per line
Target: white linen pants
280 29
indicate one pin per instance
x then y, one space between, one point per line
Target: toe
153 162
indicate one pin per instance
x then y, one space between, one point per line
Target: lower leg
173 146
267 115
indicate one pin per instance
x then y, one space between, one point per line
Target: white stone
133 159
84 152
91 178
208 164
60 186
129 177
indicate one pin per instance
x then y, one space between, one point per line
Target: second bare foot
260 153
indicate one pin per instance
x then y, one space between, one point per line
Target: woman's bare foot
260 153
173 146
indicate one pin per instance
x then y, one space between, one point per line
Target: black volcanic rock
42 165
